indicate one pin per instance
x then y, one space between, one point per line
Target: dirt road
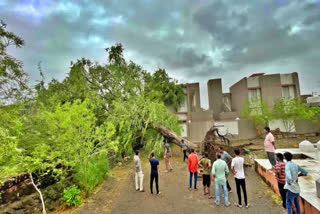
176 198
118 195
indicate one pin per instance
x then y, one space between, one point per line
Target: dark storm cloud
193 40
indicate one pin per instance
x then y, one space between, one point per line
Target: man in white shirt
238 172
138 170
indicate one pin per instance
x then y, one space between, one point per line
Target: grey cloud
314 18
185 58
179 36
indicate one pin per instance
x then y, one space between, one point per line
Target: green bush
72 195
92 172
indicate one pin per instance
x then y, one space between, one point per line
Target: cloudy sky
194 40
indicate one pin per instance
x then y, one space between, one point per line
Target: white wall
183 106
182 116
230 127
288 91
274 124
184 132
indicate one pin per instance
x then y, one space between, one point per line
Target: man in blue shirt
154 175
293 171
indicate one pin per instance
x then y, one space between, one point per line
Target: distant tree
288 110
13 80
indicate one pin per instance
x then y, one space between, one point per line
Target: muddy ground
117 195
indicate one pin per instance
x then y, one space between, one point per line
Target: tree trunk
38 190
174 138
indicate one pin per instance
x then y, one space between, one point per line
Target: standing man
154 175
193 168
167 155
293 171
269 146
219 173
225 156
138 169
281 177
238 171
184 149
205 163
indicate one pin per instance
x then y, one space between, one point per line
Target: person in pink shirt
269 146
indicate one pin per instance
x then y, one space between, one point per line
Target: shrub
72 195
92 172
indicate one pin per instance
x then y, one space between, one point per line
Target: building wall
270 88
226 102
215 96
193 97
226 127
295 77
246 129
184 132
199 124
239 94
278 124
306 127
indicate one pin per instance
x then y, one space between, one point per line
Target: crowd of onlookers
287 173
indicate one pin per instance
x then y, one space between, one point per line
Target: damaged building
225 108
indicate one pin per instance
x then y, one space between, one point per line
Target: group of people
154 172
218 172
287 173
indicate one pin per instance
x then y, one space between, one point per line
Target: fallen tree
210 143
174 138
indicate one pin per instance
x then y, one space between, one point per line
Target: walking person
269 146
239 176
154 174
184 150
281 177
167 156
220 173
205 163
225 156
293 171
193 168
138 171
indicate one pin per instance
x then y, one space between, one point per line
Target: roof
256 74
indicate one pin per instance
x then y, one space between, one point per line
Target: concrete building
225 108
194 120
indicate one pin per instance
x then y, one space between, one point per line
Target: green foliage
92 172
10 130
13 80
72 196
137 117
164 88
257 111
76 126
288 110
66 136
